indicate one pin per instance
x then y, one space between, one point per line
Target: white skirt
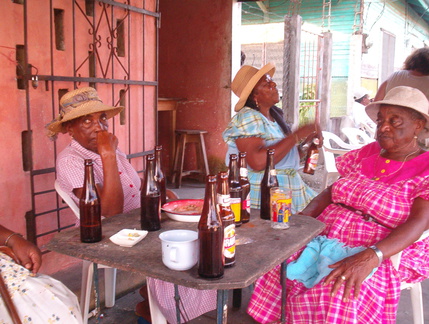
39 299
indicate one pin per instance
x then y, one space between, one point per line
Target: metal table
260 249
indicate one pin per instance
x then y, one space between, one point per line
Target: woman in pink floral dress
381 205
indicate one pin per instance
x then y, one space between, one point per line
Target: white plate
128 237
184 210
184 218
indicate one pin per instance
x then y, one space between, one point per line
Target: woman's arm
28 254
111 193
318 204
381 92
357 267
257 150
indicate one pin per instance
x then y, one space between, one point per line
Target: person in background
85 118
415 73
359 116
37 298
259 125
378 207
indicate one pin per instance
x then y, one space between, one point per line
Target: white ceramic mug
179 249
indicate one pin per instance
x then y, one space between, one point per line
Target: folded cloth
312 265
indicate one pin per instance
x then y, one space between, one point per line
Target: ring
343 277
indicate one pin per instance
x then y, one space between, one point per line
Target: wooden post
292 47
325 93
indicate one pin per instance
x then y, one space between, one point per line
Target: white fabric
360 117
38 300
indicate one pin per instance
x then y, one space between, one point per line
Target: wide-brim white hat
78 103
405 97
246 79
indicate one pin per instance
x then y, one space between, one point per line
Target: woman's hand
308 132
28 255
107 143
351 272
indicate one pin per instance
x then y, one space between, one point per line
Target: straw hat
77 103
246 79
405 97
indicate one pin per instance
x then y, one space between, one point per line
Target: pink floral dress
384 189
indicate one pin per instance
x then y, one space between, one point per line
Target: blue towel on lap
312 265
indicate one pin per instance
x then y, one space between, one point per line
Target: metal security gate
68 44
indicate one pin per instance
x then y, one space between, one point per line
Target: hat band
78 100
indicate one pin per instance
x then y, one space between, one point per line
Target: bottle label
243 172
223 200
273 172
236 208
280 205
229 241
312 161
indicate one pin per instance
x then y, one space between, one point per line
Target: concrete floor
128 285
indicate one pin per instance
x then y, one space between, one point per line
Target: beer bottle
210 235
159 174
312 157
268 181
90 208
245 185
235 189
150 198
227 216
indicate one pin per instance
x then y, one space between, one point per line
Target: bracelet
378 252
9 237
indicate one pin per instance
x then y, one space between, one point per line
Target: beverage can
280 211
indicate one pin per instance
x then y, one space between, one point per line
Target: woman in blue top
258 126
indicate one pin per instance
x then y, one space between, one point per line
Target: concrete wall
195 64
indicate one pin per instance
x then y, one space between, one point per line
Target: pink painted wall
138 133
195 64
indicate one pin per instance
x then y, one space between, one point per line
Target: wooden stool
184 137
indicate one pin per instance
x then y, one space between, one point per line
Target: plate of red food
184 210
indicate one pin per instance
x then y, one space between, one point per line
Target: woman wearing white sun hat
378 207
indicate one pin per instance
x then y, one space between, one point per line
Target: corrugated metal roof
311 11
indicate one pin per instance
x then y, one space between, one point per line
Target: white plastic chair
329 152
88 270
415 288
356 136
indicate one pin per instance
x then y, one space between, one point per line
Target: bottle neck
233 171
270 161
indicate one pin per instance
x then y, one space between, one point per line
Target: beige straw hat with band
246 79
78 103
405 97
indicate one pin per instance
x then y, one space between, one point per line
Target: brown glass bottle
211 261
90 208
150 216
227 216
312 157
235 189
245 186
268 181
160 175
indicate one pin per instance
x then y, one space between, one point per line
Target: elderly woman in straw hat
259 126
85 118
378 207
